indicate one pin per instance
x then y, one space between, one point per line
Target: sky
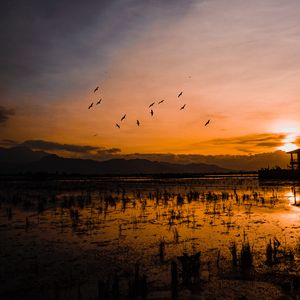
236 62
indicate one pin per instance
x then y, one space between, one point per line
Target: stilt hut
295 159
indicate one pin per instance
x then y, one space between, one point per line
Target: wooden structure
295 159
291 173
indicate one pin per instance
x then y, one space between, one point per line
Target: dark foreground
216 237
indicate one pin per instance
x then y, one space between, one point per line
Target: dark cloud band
259 140
5 114
54 146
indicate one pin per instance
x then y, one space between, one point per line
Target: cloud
262 140
5 114
81 36
78 149
269 144
245 150
104 151
234 162
8 143
249 143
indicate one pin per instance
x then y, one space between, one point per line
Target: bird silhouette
180 94
151 104
117 125
91 105
99 101
161 101
207 123
123 117
96 89
138 122
151 112
181 108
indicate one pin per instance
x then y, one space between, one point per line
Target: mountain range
22 159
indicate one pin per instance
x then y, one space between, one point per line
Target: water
60 238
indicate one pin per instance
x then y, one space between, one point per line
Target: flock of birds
151 111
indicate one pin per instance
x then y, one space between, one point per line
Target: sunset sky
237 63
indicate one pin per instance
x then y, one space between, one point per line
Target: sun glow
289 143
288 147
285 126
290 138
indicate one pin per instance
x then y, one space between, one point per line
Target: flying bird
179 94
161 101
91 105
117 125
151 112
138 122
123 117
99 101
151 104
181 108
96 89
207 123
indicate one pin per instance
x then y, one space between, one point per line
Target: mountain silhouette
20 155
38 161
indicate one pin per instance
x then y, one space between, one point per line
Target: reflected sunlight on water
83 230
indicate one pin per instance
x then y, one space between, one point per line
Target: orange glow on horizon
244 80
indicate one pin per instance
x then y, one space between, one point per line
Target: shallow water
60 237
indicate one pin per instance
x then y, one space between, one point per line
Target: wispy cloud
104 151
76 149
251 143
5 114
81 37
236 162
236 61
263 139
8 143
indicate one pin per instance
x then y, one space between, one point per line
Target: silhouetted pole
292 161
115 288
174 280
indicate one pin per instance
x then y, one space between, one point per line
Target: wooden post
292 161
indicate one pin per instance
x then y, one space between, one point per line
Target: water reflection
128 232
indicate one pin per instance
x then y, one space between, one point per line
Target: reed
162 249
233 251
246 257
174 280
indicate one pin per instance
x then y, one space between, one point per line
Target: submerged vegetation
133 238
